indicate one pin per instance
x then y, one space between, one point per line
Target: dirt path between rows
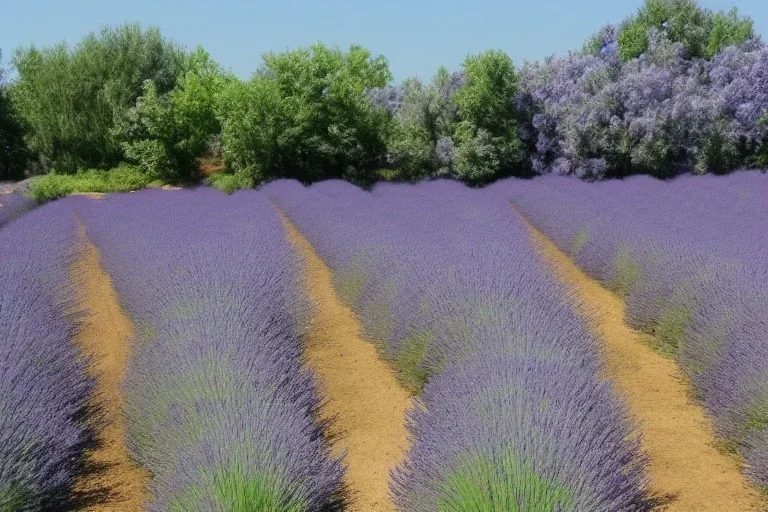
362 394
106 335
677 434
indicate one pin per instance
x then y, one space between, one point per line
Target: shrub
229 183
701 32
727 29
662 114
419 138
166 134
461 125
305 114
70 98
120 179
13 154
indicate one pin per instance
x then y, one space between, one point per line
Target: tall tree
71 98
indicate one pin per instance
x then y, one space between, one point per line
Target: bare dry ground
106 336
685 465
362 394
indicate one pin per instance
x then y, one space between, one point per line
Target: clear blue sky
416 36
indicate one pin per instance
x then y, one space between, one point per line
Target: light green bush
121 179
305 115
70 98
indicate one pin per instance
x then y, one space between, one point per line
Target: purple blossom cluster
662 114
13 205
219 407
513 414
44 388
691 257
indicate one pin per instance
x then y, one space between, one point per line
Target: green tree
727 29
426 116
305 114
13 154
488 145
702 32
165 134
71 98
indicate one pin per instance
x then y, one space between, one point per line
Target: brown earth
209 166
106 335
685 466
90 195
363 397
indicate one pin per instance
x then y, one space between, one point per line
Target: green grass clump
229 183
388 175
670 328
351 280
504 485
15 497
120 179
626 272
757 416
409 361
579 241
235 491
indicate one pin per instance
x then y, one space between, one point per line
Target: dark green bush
70 98
13 154
165 134
305 115
487 142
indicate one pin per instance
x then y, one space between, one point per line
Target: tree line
673 88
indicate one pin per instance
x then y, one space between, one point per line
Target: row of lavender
44 389
14 205
447 284
219 408
692 258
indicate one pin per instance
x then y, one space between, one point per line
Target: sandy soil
685 467
106 335
361 391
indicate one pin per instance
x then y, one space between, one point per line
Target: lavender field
473 299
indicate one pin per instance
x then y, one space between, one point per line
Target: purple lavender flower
447 285
219 407
13 205
44 388
690 257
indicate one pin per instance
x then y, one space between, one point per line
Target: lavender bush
690 256
513 415
13 205
662 113
44 388
219 407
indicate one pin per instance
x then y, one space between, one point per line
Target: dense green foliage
120 179
702 32
304 115
12 149
424 117
488 145
462 125
674 88
164 134
71 98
